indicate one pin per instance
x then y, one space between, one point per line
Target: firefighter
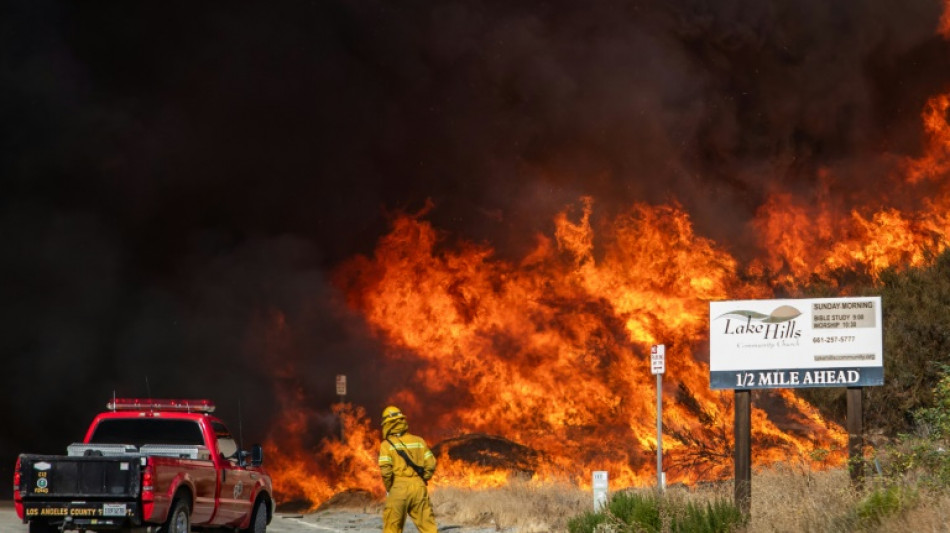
406 465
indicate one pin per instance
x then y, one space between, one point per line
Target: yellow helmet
391 413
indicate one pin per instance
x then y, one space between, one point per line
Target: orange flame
818 237
550 352
936 160
312 476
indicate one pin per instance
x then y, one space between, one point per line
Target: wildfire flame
551 350
816 236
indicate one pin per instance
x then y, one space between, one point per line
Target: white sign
341 385
599 484
820 342
658 359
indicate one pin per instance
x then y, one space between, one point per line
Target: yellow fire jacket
392 465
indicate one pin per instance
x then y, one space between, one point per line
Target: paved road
10 523
335 521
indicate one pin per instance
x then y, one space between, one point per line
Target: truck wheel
179 519
39 526
258 519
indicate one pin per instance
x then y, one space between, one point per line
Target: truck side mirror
257 455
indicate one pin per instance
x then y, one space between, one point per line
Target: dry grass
784 499
932 515
787 500
521 506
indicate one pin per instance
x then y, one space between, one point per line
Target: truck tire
179 519
258 518
41 526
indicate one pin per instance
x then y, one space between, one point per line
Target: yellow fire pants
408 496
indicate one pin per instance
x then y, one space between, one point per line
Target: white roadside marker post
599 485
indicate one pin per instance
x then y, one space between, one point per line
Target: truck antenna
240 435
240 426
148 390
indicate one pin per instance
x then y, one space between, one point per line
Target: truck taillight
148 484
17 497
16 479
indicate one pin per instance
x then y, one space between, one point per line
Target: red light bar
153 404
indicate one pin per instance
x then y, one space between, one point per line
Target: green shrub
927 461
879 504
633 508
936 418
719 516
924 457
639 512
586 522
883 502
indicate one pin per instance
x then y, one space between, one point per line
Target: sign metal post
658 367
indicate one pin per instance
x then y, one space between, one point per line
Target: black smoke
180 176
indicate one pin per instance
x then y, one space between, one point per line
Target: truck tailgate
57 477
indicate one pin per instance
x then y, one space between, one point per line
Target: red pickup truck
152 465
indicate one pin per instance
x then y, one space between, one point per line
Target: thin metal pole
659 431
342 429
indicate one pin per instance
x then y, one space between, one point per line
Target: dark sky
177 174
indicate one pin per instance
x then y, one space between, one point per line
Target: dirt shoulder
364 521
356 511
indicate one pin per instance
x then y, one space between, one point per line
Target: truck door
237 485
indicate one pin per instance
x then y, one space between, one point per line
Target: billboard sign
796 343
